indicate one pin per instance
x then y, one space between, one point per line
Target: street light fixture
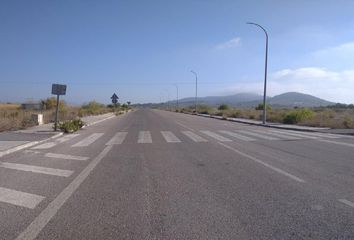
196 90
265 73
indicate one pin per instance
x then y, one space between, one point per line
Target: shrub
71 126
260 107
223 107
297 116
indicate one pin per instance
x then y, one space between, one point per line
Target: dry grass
12 117
324 117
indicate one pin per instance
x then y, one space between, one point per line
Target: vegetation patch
71 125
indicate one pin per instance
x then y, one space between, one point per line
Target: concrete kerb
30 144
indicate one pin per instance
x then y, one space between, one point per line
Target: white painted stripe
66 138
170 137
18 198
194 137
45 145
144 137
338 143
261 136
88 140
186 127
36 169
65 156
118 138
264 164
316 134
32 231
283 136
238 136
346 202
294 134
216 136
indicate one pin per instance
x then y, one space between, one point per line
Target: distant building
32 106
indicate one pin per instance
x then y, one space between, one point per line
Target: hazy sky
140 49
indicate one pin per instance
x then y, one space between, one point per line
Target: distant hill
247 100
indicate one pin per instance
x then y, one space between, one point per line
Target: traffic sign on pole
58 89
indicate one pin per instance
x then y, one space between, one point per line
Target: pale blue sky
140 49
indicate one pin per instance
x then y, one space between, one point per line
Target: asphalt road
159 175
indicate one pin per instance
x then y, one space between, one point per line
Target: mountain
247 100
292 99
217 100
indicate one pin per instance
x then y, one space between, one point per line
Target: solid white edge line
264 164
32 231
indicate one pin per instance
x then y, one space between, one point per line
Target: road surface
153 174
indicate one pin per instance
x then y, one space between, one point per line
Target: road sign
58 89
114 98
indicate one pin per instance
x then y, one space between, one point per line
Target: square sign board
58 89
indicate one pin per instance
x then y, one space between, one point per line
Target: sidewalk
16 140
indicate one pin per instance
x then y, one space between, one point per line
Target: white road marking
36 169
261 136
18 198
54 143
66 138
45 145
186 127
264 163
194 137
4 145
297 134
238 136
277 134
65 156
144 137
316 134
88 140
346 202
170 137
216 136
32 231
118 138
338 143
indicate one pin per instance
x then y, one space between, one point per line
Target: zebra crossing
30 200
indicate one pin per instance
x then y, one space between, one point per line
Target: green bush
71 126
260 107
223 107
297 116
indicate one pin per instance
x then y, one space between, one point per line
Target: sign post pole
56 114
58 90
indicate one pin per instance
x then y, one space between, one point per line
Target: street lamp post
196 90
265 73
177 96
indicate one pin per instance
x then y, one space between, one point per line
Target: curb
256 124
27 145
